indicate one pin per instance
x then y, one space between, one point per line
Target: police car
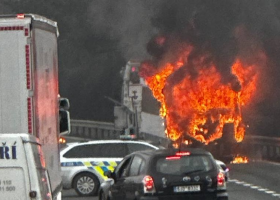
83 164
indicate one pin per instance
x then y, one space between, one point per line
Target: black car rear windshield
184 164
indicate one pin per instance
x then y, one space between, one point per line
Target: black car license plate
187 188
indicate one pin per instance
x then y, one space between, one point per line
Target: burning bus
200 103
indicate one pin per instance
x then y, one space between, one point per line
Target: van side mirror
64 103
64 116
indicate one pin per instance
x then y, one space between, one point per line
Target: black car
166 174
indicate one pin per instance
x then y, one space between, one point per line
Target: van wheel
86 184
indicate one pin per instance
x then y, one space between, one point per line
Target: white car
83 164
224 168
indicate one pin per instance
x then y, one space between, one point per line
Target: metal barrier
256 147
94 130
262 148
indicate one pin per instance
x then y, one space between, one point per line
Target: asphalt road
252 181
71 195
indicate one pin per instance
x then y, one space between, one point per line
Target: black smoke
221 31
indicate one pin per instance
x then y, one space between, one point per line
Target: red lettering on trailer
27 62
29 107
11 28
26 32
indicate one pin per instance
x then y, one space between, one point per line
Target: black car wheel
86 184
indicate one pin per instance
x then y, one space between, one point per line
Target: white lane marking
260 189
270 192
254 187
240 182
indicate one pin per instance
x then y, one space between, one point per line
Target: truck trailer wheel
86 184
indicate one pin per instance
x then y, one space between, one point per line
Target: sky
98 37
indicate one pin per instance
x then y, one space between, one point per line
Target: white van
23 175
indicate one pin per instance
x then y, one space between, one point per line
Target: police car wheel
86 184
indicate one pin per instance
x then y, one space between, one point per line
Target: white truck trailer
29 93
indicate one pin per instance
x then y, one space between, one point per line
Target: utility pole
135 113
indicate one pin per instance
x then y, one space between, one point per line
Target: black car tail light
178 155
148 183
173 157
221 183
183 153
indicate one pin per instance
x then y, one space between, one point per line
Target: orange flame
201 106
240 159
